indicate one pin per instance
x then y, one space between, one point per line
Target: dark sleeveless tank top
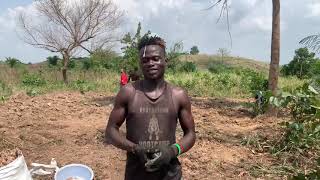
151 123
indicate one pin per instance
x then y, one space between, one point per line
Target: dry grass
203 61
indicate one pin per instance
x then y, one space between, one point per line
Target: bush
302 133
83 86
188 66
218 67
32 92
5 91
33 80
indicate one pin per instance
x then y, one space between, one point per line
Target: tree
52 60
275 48
68 26
301 65
223 52
275 42
194 50
12 62
173 55
130 49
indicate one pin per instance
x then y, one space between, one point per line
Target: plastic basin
77 171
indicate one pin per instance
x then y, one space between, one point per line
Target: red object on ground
124 79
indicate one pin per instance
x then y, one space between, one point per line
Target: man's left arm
186 122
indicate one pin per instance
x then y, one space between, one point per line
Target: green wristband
178 147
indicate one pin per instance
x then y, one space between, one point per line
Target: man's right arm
116 119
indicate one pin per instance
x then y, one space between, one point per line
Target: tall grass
233 83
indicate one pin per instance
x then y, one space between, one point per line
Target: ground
69 127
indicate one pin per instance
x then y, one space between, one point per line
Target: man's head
152 57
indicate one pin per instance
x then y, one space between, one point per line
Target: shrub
218 67
33 80
5 91
188 66
83 86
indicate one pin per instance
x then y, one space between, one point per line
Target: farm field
69 127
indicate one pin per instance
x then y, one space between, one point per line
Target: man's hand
164 156
141 152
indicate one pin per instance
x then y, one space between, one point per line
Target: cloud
187 21
314 9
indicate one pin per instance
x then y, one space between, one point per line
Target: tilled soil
7 156
69 127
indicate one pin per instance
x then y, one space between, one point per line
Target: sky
189 22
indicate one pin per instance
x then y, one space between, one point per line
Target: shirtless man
151 108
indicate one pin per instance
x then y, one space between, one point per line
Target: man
151 108
123 78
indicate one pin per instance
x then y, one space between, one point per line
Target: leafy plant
32 92
5 91
12 62
302 133
188 66
33 80
312 175
83 86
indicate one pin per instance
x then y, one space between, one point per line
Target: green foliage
194 50
86 64
218 67
187 66
301 65
262 101
83 86
130 49
173 56
12 62
102 59
71 64
32 92
52 61
33 80
303 131
5 91
311 175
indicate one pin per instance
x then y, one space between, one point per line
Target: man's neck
153 84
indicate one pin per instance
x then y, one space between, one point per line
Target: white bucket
16 170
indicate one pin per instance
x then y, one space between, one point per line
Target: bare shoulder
125 93
179 94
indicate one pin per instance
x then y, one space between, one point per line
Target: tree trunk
66 58
275 49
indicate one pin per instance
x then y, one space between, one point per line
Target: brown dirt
69 127
7 156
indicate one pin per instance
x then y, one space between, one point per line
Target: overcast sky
186 21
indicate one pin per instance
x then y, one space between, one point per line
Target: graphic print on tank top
153 128
151 123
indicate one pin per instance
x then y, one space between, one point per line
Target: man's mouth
152 71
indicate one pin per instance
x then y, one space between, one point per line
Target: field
47 119
69 127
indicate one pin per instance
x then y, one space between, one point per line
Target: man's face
152 61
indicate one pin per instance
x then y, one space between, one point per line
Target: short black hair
151 40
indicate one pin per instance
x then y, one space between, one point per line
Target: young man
151 108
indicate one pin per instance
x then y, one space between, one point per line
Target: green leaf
285 94
312 89
317 129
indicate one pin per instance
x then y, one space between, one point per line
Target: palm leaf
312 42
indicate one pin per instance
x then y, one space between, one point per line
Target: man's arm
186 121
116 119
